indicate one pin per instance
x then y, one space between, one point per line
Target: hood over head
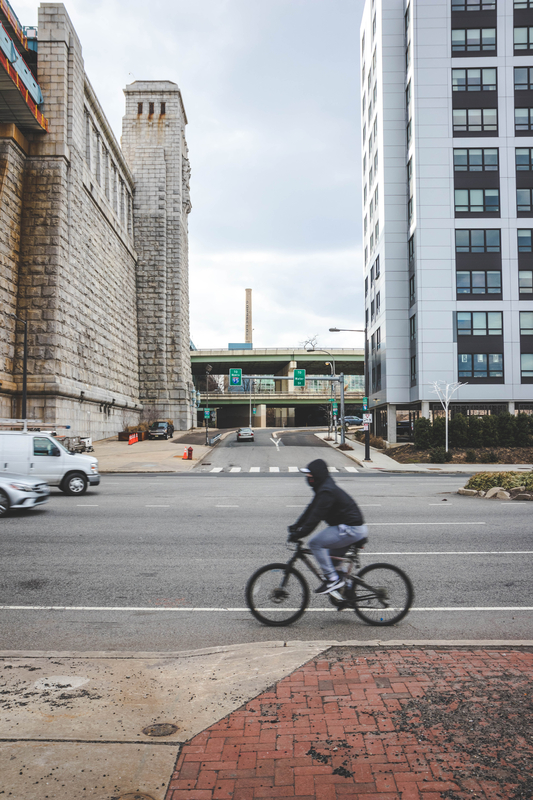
319 470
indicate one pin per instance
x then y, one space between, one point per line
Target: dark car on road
161 430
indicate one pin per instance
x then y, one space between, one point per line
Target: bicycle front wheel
386 596
277 595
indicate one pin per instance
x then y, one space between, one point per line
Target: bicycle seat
342 551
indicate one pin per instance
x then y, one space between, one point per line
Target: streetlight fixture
207 373
361 330
311 349
24 364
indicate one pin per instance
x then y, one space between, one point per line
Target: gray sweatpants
331 539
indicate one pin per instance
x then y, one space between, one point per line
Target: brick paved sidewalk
375 724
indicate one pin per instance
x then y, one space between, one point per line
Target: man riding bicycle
342 515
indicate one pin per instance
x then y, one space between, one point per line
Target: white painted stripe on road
293 469
156 506
226 506
87 505
273 469
255 469
217 469
350 469
196 609
235 469
333 469
454 553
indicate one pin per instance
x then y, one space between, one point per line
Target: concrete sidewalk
148 456
383 463
275 719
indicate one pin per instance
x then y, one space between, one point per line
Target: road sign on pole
235 377
299 377
207 413
365 403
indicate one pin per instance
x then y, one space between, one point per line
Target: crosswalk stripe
279 469
235 469
217 469
333 469
350 469
255 469
293 469
273 469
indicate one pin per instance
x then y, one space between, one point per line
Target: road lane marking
255 469
87 505
294 469
424 523
350 469
226 506
440 504
235 469
454 553
217 469
197 609
156 506
332 469
273 469
301 506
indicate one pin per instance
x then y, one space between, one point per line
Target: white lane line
156 506
302 506
255 469
273 469
424 523
333 469
454 553
350 469
275 441
293 469
440 504
87 505
226 506
235 469
309 610
217 469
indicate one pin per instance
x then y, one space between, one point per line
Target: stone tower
154 145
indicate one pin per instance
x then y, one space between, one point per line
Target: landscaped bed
409 454
500 485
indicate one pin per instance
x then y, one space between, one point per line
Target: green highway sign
207 412
299 377
365 403
235 377
335 407
253 411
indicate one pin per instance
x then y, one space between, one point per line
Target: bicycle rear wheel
388 596
277 595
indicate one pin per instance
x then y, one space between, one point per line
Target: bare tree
445 392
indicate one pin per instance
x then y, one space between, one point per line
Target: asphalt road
159 562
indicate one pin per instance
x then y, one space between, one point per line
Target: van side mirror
55 451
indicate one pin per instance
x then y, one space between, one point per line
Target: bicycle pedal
343 606
336 595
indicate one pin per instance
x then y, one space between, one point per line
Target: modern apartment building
447 161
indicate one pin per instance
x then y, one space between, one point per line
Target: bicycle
380 594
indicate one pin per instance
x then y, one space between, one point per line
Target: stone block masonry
108 326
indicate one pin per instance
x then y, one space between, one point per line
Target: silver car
18 491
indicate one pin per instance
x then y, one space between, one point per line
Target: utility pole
207 372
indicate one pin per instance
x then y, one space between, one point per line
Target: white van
41 456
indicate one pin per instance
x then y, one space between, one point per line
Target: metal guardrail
215 439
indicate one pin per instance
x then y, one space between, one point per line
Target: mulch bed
409 454
406 723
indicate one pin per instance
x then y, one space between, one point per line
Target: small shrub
423 434
437 455
470 456
489 431
458 431
524 430
376 441
507 480
475 426
491 457
448 455
438 437
507 429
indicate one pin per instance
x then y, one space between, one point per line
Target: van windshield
62 446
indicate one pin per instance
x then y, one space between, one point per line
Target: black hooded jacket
331 503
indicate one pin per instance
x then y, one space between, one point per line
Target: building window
376 232
409 132
378 377
376 265
475 159
411 249
481 365
523 3
474 40
523 119
374 61
370 176
477 201
163 109
371 276
371 242
523 159
365 224
525 281
473 5
477 241
373 341
412 293
410 176
366 286
413 370
375 129
366 317
474 80
479 282
139 108
376 198
365 193
479 323
412 327
526 365
371 209
88 140
378 303
410 211
526 323
372 309
523 201
376 164
366 255
523 38
524 241
364 163
378 339
476 120
523 79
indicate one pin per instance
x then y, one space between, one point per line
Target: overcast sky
271 90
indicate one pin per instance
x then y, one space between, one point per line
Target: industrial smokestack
248 317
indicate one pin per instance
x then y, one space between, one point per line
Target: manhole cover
164 729
135 796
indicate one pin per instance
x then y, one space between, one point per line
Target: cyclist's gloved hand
294 534
292 528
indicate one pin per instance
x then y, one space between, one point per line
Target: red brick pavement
375 724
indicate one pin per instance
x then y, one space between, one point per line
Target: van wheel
4 503
75 483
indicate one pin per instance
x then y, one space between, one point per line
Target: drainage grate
163 729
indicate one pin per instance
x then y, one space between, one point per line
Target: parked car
161 430
19 492
353 421
38 456
245 434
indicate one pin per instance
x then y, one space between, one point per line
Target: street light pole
313 349
252 383
360 330
207 372
24 365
